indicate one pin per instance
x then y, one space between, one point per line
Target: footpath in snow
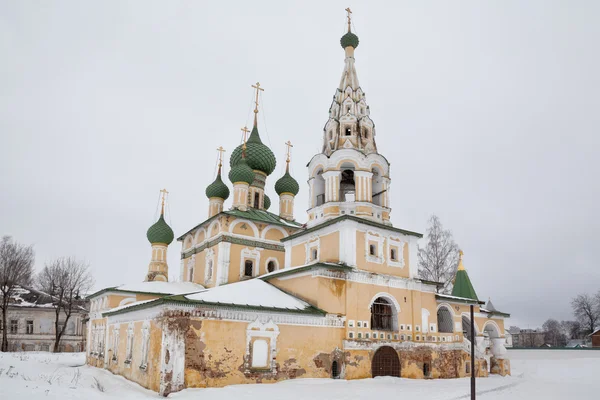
537 374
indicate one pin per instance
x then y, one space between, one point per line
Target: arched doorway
385 362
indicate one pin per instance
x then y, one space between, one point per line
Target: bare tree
571 329
439 259
65 279
587 311
553 333
16 268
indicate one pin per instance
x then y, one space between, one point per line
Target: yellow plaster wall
383 268
215 352
149 378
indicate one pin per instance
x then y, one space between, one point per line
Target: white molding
371 236
268 260
387 296
311 243
268 330
223 261
394 241
247 254
237 221
263 235
209 258
230 313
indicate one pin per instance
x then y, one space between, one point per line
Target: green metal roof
160 232
258 155
463 287
287 184
349 39
353 218
241 172
252 214
217 188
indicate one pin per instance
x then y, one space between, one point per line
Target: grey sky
487 111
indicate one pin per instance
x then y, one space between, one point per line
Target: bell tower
349 176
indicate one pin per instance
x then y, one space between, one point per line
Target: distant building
575 344
527 337
30 323
595 336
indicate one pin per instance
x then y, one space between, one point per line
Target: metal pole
473 369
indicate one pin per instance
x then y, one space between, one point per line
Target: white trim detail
276 227
247 254
209 266
371 236
244 221
268 330
399 245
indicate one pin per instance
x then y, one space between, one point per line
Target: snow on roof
447 296
253 292
302 268
170 288
135 303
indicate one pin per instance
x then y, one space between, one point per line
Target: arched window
347 187
248 268
372 250
271 266
209 270
335 370
377 191
256 200
318 189
382 316
348 131
466 327
444 320
393 255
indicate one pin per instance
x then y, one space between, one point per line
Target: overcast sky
487 111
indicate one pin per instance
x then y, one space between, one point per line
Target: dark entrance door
385 362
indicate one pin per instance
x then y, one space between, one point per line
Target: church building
264 298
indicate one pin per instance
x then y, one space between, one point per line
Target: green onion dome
217 189
258 156
267 202
287 184
160 232
241 172
349 39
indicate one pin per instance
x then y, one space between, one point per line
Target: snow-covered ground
537 374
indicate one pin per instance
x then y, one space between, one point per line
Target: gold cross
162 206
349 11
246 130
289 146
221 150
258 89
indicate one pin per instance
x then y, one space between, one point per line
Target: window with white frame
261 345
249 262
396 251
260 353
129 349
145 345
374 247
115 345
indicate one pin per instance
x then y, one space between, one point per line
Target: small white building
30 323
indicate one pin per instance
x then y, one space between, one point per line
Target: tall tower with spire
160 235
349 176
259 158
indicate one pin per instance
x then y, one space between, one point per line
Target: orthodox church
264 298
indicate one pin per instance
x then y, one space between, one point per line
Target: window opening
381 315
335 370
248 268
372 249
271 266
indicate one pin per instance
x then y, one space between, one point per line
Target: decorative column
363 184
332 185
